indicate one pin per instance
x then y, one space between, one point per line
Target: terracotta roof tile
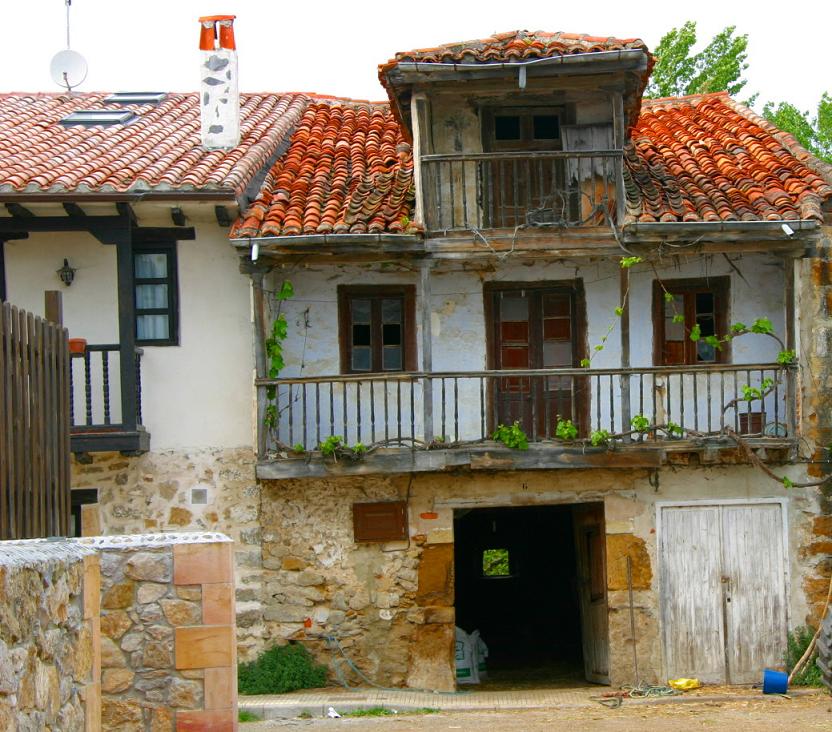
516 46
347 170
708 158
159 151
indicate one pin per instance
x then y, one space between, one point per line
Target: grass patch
245 716
385 712
796 644
279 670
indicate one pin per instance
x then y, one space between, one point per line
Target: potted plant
77 346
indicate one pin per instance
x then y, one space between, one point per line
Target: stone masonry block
204 646
216 720
220 687
218 603
195 564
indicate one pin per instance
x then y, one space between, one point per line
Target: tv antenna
68 68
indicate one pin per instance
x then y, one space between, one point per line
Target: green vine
512 436
274 352
566 430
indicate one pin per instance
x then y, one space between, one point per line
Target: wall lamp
66 273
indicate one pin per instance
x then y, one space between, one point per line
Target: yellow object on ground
684 684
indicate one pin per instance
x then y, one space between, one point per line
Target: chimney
219 95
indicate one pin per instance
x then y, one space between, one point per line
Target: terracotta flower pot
78 346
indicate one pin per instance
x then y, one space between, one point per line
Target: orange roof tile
709 158
347 170
160 151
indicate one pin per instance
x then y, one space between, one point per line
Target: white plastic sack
466 665
480 651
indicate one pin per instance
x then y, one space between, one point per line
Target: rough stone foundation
391 606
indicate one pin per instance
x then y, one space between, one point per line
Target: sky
335 47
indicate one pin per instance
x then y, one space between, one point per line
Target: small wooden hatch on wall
378 522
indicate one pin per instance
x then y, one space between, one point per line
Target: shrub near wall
48 617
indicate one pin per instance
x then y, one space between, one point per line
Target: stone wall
391 605
49 657
167 632
177 490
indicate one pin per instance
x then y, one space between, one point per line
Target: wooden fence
34 427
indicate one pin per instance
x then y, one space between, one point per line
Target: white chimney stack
219 94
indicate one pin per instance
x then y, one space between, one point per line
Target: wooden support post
624 299
53 306
126 327
618 142
427 355
259 306
790 340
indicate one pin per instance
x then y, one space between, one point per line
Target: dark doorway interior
517 582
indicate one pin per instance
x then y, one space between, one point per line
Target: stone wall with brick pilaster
168 651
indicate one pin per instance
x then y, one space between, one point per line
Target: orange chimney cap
216 18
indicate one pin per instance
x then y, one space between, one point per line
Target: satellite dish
68 69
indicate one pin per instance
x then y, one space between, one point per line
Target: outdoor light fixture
66 273
255 251
787 230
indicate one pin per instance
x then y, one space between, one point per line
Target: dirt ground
768 713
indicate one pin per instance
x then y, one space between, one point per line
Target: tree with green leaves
717 67
813 132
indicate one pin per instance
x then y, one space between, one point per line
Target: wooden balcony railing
504 190
755 400
98 395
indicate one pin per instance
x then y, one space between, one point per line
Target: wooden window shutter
377 522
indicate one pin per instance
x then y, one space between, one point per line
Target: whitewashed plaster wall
457 307
196 394
459 345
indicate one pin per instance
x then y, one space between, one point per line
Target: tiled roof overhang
348 170
516 48
707 158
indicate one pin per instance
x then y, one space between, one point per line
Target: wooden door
692 626
536 328
590 550
723 590
755 592
522 187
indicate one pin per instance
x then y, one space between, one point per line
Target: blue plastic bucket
775 682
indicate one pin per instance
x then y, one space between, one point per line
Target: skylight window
135 98
105 117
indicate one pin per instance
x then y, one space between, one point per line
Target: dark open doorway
522 580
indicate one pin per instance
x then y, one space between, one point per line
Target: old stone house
456 256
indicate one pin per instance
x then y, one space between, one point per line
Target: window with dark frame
678 308
155 294
377 328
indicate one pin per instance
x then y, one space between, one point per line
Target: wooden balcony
106 401
434 421
506 190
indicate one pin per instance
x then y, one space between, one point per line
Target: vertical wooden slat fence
34 427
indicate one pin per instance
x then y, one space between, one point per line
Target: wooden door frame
580 338
703 503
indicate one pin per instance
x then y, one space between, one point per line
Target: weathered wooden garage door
723 590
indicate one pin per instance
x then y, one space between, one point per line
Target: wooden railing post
624 379
427 355
53 306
